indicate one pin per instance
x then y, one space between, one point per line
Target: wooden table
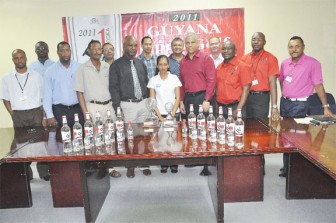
237 175
312 168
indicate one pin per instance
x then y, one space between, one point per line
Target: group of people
43 92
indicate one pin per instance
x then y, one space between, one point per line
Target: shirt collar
197 54
301 59
232 62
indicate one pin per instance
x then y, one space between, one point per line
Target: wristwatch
326 106
274 106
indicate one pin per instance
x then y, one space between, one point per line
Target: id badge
289 79
255 82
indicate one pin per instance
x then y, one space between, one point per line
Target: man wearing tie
128 87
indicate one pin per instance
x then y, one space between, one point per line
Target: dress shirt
264 65
198 74
121 80
231 78
58 86
303 76
218 60
93 83
174 65
39 67
23 91
150 64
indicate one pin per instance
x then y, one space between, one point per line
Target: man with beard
21 91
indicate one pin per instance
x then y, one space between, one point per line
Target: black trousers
196 100
69 111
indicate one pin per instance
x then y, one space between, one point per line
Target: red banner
163 27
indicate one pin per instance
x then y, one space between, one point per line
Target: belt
67 106
133 100
101 102
296 99
259 92
232 103
195 93
27 110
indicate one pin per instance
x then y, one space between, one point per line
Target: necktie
137 87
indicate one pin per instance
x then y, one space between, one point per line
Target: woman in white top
165 87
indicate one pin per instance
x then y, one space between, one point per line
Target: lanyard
255 69
24 83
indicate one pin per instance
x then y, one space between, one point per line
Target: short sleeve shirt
263 65
24 91
93 83
231 78
298 80
164 90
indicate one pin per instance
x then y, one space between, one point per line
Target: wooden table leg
307 181
96 185
216 187
15 186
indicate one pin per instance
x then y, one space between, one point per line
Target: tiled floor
178 198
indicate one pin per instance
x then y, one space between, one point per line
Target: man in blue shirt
59 98
147 56
43 61
177 46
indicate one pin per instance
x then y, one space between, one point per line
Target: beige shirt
93 83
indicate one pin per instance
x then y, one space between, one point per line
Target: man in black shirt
128 87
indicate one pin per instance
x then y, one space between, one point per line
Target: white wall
23 23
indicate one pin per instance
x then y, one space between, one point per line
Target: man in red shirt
198 78
265 70
233 80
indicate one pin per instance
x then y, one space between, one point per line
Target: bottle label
78 133
231 127
100 129
239 130
88 131
192 122
66 136
120 125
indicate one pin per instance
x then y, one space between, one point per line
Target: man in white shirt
21 92
215 48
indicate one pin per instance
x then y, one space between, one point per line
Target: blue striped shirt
174 65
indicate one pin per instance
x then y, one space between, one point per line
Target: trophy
168 124
153 120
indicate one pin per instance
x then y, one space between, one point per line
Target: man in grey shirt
128 87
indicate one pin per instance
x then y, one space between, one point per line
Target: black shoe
174 169
130 172
46 178
163 169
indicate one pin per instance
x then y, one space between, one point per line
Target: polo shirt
164 90
198 74
231 78
298 80
24 91
93 83
263 66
